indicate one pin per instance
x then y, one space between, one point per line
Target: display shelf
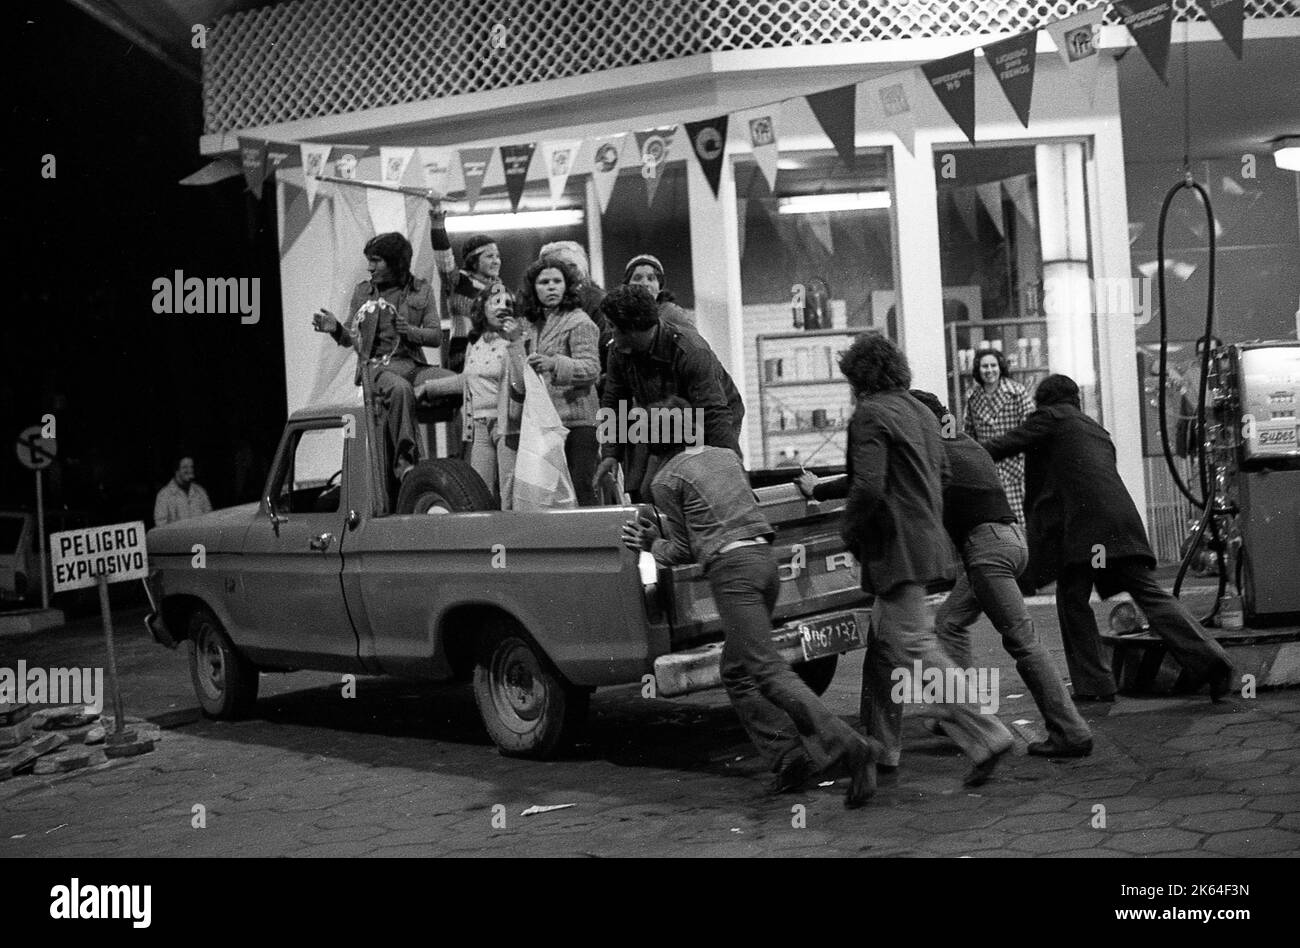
798 378
1005 335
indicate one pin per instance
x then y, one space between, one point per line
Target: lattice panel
327 57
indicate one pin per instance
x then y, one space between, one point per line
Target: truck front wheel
528 708
224 680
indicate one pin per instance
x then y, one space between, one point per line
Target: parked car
537 609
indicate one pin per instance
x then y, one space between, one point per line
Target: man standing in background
181 498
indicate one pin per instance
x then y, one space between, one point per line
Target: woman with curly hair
562 346
996 405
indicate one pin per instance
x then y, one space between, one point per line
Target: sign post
97 556
38 453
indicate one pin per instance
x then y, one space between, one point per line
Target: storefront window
817 267
663 229
1015 265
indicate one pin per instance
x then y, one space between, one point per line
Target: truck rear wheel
818 674
528 708
445 485
224 680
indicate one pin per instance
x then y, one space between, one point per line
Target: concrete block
25 621
14 734
75 758
47 744
13 713
15 762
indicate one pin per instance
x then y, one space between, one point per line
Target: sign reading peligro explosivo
79 556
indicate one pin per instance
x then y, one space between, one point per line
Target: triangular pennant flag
347 159
279 155
474 166
313 164
953 81
1150 22
762 142
964 200
296 216
991 197
252 158
1227 16
436 163
1076 42
1012 61
709 141
559 159
820 225
516 159
1018 190
393 162
652 147
354 199
892 100
1135 231
836 113
606 154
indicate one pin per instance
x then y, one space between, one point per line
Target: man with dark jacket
1084 529
893 522
650 361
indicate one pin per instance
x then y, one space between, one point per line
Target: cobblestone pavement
406 769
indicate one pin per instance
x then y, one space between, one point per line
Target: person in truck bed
713 519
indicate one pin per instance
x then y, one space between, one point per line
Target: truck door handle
321 543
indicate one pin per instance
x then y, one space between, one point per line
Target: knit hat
473 247
644 260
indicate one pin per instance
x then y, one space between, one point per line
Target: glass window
312 479
817 267
663 229
1015 264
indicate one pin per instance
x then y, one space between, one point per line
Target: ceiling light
1286 152
823 203
524 220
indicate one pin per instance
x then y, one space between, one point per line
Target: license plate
830 636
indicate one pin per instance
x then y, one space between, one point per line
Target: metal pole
118 714
377 186
40 537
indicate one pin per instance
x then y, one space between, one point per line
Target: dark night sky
131 390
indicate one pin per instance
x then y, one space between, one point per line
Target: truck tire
818 674
224 680
528 708
445 485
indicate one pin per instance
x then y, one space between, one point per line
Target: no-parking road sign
34 451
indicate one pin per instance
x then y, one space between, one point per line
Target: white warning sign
79 556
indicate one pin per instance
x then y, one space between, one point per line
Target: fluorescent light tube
524 220
823 203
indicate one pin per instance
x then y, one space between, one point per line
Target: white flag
313 165
393 162
892 100
1076 40
606 156
991 197
760 128
542 480
437 164
559 159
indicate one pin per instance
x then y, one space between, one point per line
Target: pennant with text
953 81
1076 42
605 157
516 159
709 141
474 166
652 147
559 159
836 111
1012 61
1227 16
313 165
1150 22
252 158
436 164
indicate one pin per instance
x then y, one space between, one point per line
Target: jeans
493 460
901 634
1090 672
582 452
394 395
778 711
994 554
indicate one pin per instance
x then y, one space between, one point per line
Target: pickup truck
538 609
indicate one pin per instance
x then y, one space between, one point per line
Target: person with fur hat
393 315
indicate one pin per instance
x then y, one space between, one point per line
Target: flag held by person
542 479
